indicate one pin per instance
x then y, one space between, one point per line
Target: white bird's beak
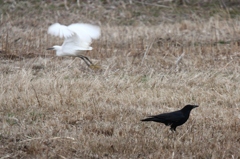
51 48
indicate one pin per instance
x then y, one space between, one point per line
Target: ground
153 57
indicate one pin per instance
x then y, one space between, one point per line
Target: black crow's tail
148 119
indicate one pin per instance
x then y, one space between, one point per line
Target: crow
173 119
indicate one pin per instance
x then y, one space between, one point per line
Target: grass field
154 58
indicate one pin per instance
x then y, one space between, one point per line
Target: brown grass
54 107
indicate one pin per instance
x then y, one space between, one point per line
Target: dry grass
58 108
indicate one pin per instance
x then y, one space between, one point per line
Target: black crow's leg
173 129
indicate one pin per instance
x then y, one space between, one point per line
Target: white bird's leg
89 62
86 61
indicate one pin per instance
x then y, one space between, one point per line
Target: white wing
84 33
85 30
60 30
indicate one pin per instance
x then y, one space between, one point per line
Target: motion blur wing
84 34
60 30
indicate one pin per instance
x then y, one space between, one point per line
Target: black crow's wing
168 118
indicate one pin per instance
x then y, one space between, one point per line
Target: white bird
78 38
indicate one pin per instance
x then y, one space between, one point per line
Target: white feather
60 30
77 37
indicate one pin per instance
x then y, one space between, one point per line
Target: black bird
173 119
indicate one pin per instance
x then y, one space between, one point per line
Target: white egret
78 38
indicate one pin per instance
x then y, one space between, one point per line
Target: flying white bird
78 38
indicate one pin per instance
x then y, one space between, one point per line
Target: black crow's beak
195 106
51 48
